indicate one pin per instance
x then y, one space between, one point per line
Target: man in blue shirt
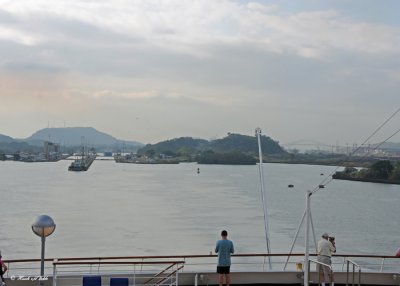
224 248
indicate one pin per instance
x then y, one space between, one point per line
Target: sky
151 70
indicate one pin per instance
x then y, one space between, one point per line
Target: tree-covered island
234 149
380 172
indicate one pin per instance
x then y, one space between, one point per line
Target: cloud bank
151 70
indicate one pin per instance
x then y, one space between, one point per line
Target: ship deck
196 270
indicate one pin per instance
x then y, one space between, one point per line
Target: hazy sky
148 70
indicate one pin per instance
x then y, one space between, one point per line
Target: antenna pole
263 195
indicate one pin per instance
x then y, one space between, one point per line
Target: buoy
290 186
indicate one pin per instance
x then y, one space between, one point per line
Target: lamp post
43 226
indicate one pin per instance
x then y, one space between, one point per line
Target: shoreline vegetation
366 180
384 172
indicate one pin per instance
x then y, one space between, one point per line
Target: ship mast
263 195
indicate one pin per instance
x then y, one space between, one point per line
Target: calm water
128 209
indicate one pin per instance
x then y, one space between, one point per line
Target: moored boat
82 164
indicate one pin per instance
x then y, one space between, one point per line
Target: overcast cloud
153 70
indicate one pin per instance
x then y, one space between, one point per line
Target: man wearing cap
325 250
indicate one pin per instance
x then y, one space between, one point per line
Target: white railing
197 263
354 266
318 273
146 273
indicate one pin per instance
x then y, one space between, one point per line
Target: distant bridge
316 145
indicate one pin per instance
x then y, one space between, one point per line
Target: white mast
307 250
263 195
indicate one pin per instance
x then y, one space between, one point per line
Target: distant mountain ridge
74 136
68 137
14 146
6 139
9 145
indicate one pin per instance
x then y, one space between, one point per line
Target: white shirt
325 248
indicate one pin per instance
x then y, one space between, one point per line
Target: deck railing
136 272
354 266
319 264
199 263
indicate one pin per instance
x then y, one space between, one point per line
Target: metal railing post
383 262
320 264
353 274
134 275
264 263
54 273
319 275
8 267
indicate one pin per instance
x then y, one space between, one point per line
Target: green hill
246 144
227 158
190 147
175 147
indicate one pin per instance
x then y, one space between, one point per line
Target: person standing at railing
224 248
326 247
3 269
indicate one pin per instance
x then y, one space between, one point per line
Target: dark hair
224 233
